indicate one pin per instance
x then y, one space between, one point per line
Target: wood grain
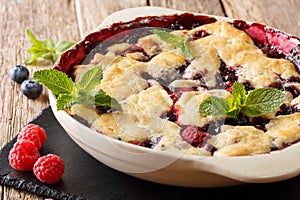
213 7
44 22
91 13
72 19
283 15
11 193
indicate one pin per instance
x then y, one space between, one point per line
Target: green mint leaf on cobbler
83 92
238 93
256 103
102 99
90 79
237 100
45 49
177 40
64 101
262 101
213 106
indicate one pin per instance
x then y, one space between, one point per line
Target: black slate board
86 178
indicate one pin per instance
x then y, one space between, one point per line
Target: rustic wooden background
72 19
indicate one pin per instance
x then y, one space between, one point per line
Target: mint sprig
45 49
56 81
256 103
69 93
177 40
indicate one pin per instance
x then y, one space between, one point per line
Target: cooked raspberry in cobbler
160 89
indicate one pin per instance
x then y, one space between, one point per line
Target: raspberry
195 136
34 133
23 155
49 168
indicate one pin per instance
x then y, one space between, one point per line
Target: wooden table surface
72 19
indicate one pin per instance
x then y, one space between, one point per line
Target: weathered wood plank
283 15
91 13
13 194
212 7
45 21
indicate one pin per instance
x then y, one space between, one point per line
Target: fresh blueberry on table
19 73
31 89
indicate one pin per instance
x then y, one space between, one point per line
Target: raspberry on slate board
33 133
49 168
23 155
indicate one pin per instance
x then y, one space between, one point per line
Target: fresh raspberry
195 136
34 133
23 155
49 168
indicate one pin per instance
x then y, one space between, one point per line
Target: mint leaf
34 41
97 98
177 40
263 100
213 106
69 93
90 79
45 49
63 45
238 93
102 99
56 81
37 49
64 101
33 58
233 108
258 102
235 102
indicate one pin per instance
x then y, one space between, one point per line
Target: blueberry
19 73
31 89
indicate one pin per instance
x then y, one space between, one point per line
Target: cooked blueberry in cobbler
160 85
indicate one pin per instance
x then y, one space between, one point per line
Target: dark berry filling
194 135
293 90
183 89
171 115
293 79
242 120
256 31
182 68
294 57
134 49
104 109
286 110
145 143
154 141
228 74
285 87
213 127
273 43
200 34
271 51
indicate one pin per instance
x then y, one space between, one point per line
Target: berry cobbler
161 70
